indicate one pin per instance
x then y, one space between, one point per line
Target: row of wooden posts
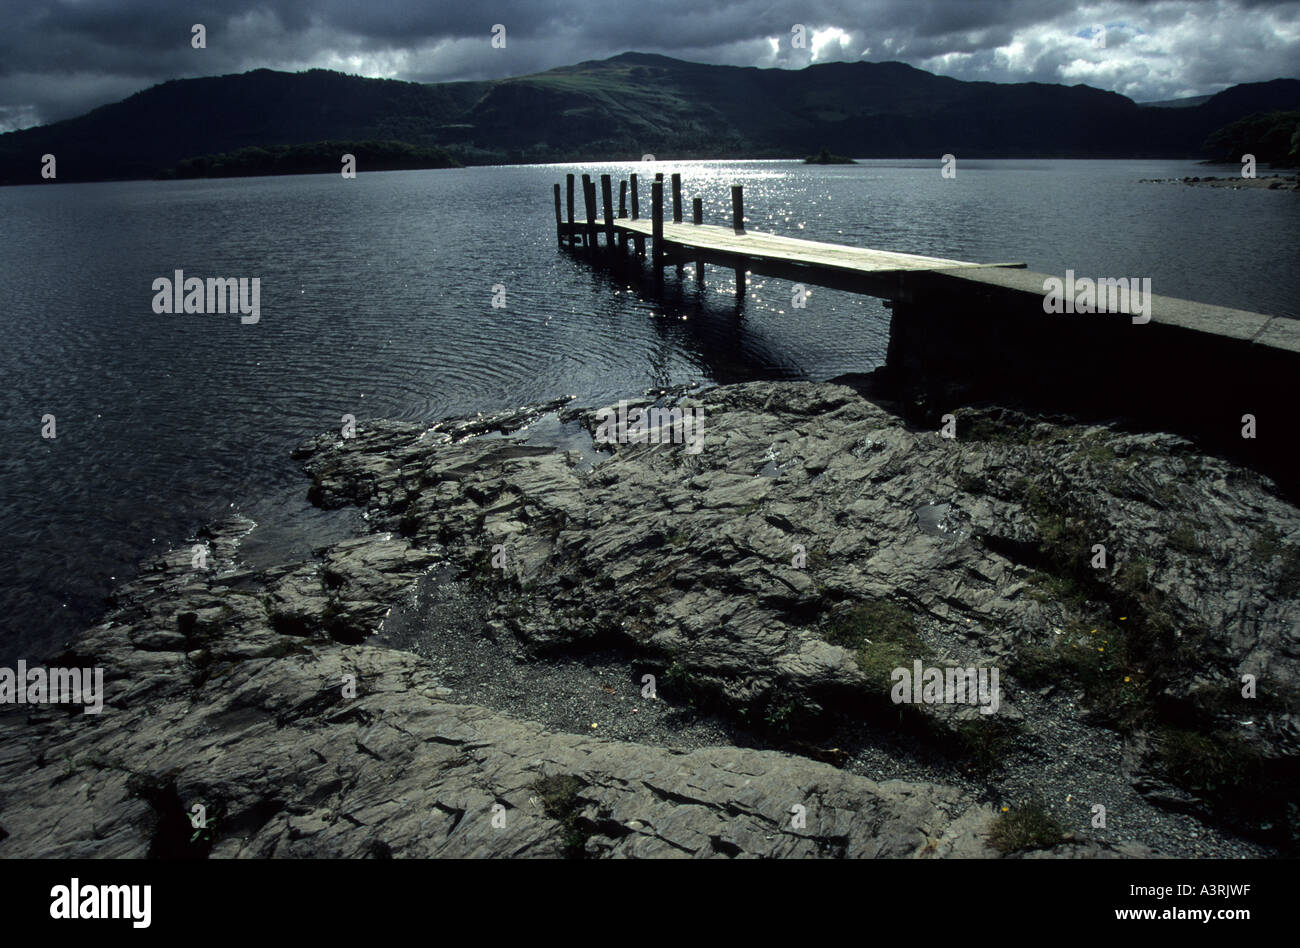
577 234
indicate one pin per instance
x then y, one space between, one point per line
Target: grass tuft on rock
559 798
1267 545
1207 764
882 636
1027 825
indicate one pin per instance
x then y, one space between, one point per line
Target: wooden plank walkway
758 245
674 243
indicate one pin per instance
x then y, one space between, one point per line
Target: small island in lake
824 157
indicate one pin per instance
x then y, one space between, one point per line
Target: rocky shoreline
468 678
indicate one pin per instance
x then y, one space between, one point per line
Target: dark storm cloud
61 57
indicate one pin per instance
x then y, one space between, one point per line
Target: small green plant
818 560
1207 764
1100 659
1288 583
780 717
559 798
1049 587
676 676
1183 539
1025 826
1267 544
204 833
883 637
1035 664
984 743
1134 577
1099 452
1167 493
680 686
997 431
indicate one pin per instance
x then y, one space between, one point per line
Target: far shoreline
792 159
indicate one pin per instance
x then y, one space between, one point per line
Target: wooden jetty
675 242
1211 372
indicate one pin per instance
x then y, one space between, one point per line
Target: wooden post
608 201
697 217
636 214
589 198
659 179
657 223
677 211
583 183
738 222
559 223
568 181
622 214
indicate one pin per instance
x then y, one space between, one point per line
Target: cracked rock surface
765 581
254 725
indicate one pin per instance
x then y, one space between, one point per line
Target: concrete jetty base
1193 369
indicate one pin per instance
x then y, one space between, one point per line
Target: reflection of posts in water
586 180
568 183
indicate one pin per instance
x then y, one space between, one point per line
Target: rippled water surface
376 301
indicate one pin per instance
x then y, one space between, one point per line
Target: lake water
376 301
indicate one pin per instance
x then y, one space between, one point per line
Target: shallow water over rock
942 520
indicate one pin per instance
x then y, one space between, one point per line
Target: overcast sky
59 58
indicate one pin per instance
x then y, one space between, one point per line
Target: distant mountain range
628 106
